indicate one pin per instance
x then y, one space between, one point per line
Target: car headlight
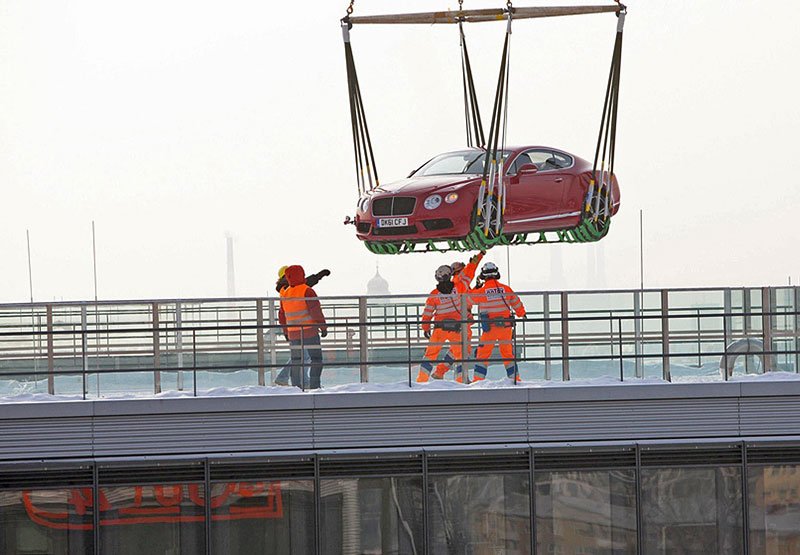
451 198
432 202
363 204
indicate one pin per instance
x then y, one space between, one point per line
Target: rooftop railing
114 348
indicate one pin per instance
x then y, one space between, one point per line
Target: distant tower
231 275
377 285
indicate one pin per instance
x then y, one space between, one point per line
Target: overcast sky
173 123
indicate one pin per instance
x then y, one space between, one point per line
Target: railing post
465 342
260 358
362 339
408 344
621 361
156 352
547 346
766 327
666 374
747 310
727 307
272 318
84 350
797 329
564 337
51 386
179 342
637 331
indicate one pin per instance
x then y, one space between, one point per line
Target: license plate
392 222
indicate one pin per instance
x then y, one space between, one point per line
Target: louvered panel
370 465
507 460
203 433
45 476
773 453
581 458
262 468
770 415
45 438
150 472
640 419
399 426
691 455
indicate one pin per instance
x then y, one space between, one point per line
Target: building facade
651 469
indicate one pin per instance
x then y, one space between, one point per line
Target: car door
535 201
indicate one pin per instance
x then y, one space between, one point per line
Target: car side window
548 160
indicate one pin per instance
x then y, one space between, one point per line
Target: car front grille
405 230
393 206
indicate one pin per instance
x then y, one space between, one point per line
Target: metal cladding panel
45 438
636 419
206 433
398 426
770 415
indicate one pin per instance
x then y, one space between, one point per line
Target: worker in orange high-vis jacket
496 302
440 324
462 276
303 322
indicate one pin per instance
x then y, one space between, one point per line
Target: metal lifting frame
491 198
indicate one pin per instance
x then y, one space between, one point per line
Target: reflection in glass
371 515
587 512
692 510
166 518
480 513
774 509
262 517
55 521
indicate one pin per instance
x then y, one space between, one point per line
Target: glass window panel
53 521
774 509
480 513
587 512
692 510
262 517
371 515
166 518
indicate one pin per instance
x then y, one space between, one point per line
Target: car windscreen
452 163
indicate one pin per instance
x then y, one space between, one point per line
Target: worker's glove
476 258
323 332
426 333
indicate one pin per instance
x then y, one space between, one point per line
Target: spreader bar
474 16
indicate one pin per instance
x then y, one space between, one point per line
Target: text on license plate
392 222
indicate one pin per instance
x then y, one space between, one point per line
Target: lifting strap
472 114
366 172
599 198
491 195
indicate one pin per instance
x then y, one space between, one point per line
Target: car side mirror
527 169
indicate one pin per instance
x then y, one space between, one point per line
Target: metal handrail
114 331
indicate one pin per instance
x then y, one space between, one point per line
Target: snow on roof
436 385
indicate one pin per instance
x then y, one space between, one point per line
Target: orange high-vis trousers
440 338
503 338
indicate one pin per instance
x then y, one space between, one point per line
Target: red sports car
545 190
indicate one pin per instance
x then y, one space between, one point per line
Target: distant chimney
231 275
